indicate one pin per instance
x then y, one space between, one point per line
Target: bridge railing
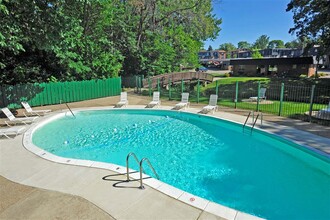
176 77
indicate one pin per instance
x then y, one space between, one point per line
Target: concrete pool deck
99 185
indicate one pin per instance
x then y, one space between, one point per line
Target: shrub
226 75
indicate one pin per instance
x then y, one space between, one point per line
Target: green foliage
276 44
226 75
228 47
261 43
81 39
243 45
312 20
256 54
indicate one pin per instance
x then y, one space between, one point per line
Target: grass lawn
233 80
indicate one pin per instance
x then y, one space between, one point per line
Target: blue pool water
259 174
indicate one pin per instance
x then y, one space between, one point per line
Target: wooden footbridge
173 78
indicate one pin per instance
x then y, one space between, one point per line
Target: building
214 54
281 67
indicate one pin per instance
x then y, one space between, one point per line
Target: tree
53 40
262 42
276 44
299 44
312 20
210 48
243 45
228 47
293 44
256 54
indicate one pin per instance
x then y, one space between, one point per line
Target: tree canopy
243 45
311 20
81 39
228 47
261 43
276 44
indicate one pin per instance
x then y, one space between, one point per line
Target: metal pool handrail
141 170
253 120
68 108
141 167
127 163
247 118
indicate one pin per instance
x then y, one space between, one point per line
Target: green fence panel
51 93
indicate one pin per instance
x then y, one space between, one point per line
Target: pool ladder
140 166
68 108
254 121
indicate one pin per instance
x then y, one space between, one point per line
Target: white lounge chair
262 95
29 110
8 131
324 113
123 100
184 101
155 100
14 120
212 106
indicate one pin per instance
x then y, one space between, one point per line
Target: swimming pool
259 174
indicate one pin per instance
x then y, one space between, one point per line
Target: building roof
272 61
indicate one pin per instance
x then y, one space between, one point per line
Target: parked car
201 69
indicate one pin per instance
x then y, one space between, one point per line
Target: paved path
24 202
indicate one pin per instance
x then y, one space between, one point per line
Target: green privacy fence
54 93
294 100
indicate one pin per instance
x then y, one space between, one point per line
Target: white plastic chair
262 95
155 100
123 100
212 106
184 101
29 110
12 131
14 120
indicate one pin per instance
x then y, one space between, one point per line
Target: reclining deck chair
155 100
29 110
123 100
7 131
14 120
212 106
184 101
262 95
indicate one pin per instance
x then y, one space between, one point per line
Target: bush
226 75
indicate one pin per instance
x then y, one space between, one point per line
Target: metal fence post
169 89
236 94
182 86
198 91
149 85
281 99
311 103
258 100
136 83
139 84
216 87
158 86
